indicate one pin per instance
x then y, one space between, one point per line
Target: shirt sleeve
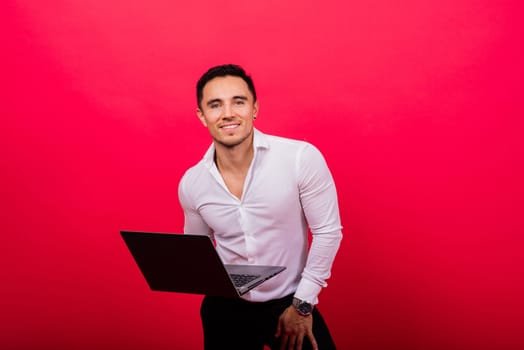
193 222
320 204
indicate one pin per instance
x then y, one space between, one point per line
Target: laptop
187 263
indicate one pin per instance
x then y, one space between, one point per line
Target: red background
416 105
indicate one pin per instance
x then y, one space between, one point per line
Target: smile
229 126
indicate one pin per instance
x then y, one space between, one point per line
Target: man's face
227 110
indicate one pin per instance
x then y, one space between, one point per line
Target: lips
229 126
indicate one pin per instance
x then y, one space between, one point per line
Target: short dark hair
222 71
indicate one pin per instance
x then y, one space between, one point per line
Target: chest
269 198
234 182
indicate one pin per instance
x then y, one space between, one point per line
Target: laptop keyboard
240 279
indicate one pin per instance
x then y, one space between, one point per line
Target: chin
231 141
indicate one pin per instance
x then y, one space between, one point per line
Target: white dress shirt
288 192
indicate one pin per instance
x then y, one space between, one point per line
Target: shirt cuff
308 291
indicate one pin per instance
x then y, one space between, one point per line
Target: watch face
305 308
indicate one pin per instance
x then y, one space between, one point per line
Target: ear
201 116
255 110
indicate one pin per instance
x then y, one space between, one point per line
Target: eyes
237 102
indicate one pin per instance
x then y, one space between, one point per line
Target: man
258 196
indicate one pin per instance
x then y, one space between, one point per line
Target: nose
228 110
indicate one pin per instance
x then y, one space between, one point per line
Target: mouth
229 126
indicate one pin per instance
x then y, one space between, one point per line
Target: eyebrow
239 97
242 97
210 102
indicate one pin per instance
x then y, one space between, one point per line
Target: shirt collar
260 141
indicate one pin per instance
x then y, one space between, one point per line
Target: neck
236 158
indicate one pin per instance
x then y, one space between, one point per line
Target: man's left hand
292 328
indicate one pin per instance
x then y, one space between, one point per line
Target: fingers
296 342
299 341
288 343
284 342
313 341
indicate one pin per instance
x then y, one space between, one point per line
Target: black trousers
237 324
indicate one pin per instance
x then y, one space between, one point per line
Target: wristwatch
303 307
